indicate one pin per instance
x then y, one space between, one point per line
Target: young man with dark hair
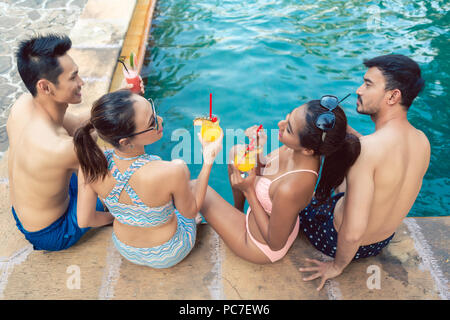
42 160
382 185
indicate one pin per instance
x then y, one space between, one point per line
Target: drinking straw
210 106
259 128
124 65
253 139
252 142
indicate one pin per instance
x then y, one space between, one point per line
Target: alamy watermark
74 280
189 149
374 280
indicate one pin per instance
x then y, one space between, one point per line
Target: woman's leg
229 223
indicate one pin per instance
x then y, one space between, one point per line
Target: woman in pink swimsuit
283 183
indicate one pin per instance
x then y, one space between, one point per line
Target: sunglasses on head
326 121
155 126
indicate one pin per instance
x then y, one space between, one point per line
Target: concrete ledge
211 271
135 39
97 39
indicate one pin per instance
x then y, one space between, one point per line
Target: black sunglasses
153 127
326 121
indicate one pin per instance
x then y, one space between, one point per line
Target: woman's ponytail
336 166
92 160
340 149
112 116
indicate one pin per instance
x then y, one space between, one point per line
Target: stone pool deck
21 19
414 266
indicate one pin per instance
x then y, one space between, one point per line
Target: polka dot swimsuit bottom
316 222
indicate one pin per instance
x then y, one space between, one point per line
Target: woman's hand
211 149
261 139
247 184
129 86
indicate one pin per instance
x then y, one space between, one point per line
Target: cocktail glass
210 129
132 77
245 161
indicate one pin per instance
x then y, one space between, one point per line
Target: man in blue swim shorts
42 163
382 185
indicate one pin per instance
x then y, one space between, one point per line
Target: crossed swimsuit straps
140 215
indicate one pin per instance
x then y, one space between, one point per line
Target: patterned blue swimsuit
139 215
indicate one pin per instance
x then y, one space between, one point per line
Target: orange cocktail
210 129
245 160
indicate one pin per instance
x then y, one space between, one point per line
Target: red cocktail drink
132 77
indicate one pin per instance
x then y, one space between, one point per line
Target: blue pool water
260 59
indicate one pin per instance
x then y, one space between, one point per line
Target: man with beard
382 185
42 160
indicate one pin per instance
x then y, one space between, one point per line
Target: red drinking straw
251 145
253 140
259 128
210 106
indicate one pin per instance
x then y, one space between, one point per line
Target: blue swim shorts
64 232
316 222
167 254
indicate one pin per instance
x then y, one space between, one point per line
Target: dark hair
401 73
112 116
340 148
37 58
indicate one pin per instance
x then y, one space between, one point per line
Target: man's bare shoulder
24 101
368 157
423 139
380 143
21 107
24 98
369 145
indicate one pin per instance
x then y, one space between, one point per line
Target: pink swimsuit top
263 185
262 193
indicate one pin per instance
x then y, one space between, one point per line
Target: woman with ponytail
284 182
153 201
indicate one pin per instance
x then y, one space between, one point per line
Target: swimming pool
260 59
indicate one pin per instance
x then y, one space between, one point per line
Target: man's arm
358 200
343 186
72 121
87 215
